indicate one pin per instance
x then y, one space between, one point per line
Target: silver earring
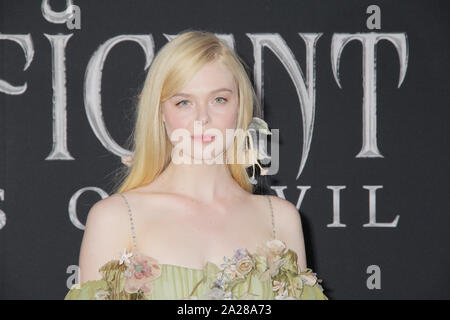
253 149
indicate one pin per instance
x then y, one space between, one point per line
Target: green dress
269 273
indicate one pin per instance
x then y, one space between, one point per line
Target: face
197 117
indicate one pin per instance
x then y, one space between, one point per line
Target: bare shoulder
108 210
288 227
107 233
285 212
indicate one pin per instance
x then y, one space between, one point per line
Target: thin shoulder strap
133 232
273 218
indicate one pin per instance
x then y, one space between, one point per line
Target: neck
203 182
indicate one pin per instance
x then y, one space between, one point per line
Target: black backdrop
48 187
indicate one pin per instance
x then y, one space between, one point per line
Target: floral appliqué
288 280
130 277
141 270
233 271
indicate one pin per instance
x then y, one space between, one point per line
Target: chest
193 239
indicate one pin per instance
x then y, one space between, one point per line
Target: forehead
211 78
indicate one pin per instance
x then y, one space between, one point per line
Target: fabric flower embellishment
282 291
140 272
221 281
279 286
242 261
309 278
232 271
238 266
276 247
273 250
101 294
125 257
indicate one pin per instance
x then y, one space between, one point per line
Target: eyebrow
181 94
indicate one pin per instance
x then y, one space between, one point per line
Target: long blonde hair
174 65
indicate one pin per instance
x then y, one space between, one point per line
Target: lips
203 138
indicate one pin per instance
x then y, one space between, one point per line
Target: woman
183 225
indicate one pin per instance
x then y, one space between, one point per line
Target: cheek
227 120
224 122
175 120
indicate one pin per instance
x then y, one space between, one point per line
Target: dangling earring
253 153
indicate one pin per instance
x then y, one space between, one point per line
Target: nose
202 121
202 115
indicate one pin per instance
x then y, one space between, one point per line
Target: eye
224 100
178 104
